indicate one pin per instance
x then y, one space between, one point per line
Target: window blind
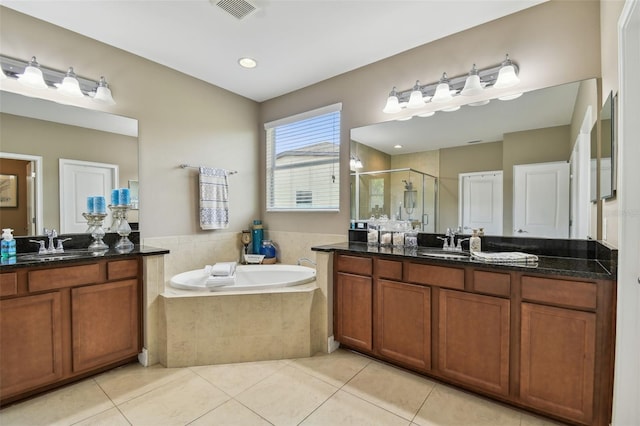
303 161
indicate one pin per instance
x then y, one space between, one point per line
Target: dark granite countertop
549 265
33 259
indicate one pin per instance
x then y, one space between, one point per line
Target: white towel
214 198
223 269
214 281
501 257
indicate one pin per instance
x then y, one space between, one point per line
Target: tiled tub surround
223 328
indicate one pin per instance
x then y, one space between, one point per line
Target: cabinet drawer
494 283
389 269
440 276
559 292
354 264
48 279
119 269
8 284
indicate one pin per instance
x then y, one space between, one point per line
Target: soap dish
253 258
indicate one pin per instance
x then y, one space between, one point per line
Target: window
303 161
376 195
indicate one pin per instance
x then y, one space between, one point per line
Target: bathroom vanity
537 336
66 317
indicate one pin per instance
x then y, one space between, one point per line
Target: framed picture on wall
8 190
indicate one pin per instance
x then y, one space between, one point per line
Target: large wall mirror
36 134
607 171
492 157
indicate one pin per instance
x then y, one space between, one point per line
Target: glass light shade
405 118
2 74
358 164
479 103
442 94
32 76
70 85
472 86
506 77
103 93
452 109
393 105
427 114
415 99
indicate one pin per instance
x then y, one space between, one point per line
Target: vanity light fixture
103 93
33 75
507 76
70 85
475 83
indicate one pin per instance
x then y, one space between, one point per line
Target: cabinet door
354 311
557 360
30 342
105 323
403 323
474 340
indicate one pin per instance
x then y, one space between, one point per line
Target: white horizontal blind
303 161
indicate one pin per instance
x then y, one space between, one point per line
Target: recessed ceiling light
247 63
398 146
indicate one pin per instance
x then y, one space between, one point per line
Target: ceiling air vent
237 8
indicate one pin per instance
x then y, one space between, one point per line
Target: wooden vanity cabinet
353 302
540 342
66 322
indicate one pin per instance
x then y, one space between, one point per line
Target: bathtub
271 312
248 278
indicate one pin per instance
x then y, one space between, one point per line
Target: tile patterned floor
342 388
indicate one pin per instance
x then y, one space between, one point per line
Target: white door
541 200
580 182
79 180
480 201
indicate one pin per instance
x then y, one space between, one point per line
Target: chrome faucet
452 238
51 234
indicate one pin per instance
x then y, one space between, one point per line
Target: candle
115 197
90 205
99 205
125 196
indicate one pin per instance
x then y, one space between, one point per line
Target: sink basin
441 254
48 257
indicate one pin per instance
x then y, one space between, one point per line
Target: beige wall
181 120
53 141
463 159
565 49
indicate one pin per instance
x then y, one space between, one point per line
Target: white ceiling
296 42
542 108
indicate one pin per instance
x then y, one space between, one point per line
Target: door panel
541 200
480 201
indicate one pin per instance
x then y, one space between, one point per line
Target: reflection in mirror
36 134
607 141
541 126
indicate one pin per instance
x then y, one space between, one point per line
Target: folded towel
220 281
502 257
223 269
214 198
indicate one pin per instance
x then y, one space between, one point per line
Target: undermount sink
48 257
441 254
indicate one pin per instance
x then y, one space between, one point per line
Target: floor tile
133 380
533 420
336 368
236 378
231 413
345 409
391 388
175 403
287 396
448 406
111 417
64 406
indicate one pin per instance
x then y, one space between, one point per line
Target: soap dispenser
475 243
8 244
